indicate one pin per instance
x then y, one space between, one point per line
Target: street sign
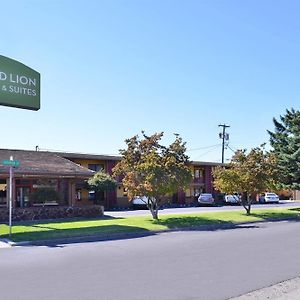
11 163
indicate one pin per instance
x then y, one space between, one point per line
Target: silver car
206 198
139 202
231 199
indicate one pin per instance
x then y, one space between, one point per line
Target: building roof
203 163
71 155
88 156
42 163
45 163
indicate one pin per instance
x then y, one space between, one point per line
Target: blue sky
113 68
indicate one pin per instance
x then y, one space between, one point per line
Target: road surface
190 210
180 265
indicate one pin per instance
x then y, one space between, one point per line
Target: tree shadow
295 209
54 237
279 215
61 220
199 223
202 223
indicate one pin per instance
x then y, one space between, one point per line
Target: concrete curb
286 290
6 243
114 236
83 239
129 235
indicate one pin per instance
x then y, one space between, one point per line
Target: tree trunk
246 202
154 214
153 207
248 210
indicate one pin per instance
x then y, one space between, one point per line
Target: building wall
86 162
202 182
64 186
296 195
208 179
110 197
82 197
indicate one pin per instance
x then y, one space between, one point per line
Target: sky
110 69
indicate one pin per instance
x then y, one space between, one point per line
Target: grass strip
44 230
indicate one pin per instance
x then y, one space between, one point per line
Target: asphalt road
177 265
190 210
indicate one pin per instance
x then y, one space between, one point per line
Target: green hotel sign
19 85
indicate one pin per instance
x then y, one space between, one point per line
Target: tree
153 170
285 141
101 182
247 174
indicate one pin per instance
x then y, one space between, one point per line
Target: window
78 194
92 195
23 182
45 183
198 173
197 192
96 167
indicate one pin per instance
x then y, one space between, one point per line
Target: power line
203 154
201 148
231 149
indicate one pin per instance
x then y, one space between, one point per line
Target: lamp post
11 163
10 194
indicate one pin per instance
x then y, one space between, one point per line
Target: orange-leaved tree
246 174
153 170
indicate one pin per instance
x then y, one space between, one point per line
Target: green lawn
43 230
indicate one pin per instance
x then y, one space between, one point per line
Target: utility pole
224 136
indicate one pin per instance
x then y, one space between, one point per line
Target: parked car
231 199
139 202
206 198
268 198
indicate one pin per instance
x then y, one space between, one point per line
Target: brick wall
50 212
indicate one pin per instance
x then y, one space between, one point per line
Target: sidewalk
286 290
4 243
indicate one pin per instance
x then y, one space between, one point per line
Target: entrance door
23 196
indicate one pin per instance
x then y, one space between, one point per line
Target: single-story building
37 170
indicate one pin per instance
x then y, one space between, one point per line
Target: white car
269 198
139 202
206 198
231 199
